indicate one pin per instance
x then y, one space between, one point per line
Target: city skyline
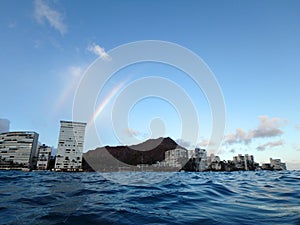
251 47
21 150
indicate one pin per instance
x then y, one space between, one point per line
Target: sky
252 48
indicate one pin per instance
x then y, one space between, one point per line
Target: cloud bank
268 127
131 132
44 12
269 145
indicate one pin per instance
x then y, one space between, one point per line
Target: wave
263 197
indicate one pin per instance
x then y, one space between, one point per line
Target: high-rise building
44 154
70 146
200 159
19 148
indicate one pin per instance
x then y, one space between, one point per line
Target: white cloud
52 16
204 143
99 51
269 145
240 136
268 127
131 132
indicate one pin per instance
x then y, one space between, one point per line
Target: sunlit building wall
19 148
44 154
70 145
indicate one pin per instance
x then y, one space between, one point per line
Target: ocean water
262 197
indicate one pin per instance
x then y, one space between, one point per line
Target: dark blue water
263 197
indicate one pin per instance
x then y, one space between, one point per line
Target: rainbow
104 103
65 95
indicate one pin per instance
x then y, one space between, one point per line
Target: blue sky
252 47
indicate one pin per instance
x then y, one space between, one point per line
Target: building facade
70 146
44 155
213 162
200 156
176 158
19 148
276 164
244 162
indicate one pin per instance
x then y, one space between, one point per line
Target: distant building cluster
275 164
197 160
244 162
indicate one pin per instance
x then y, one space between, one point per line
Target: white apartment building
276 164
243 162
19 148
176 157
201 159
70 146
44 154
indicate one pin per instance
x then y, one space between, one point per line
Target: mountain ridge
148 152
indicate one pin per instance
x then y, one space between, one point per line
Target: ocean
260 197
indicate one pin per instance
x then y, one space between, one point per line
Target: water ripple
262 197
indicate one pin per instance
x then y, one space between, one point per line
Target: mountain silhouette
111 158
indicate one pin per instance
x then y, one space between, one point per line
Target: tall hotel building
43 157
19 148
70 146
